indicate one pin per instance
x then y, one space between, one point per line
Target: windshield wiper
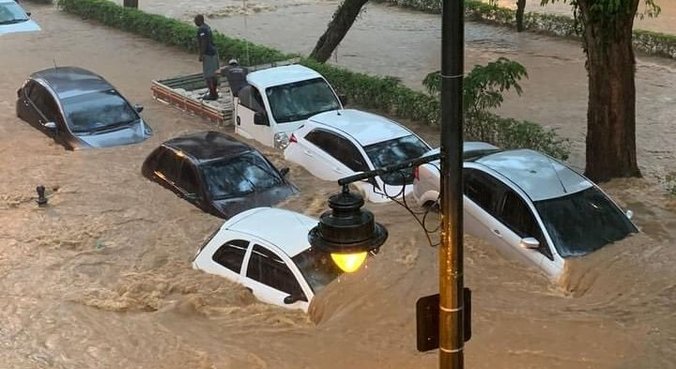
13 21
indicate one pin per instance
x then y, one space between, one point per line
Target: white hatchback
267 251
530 205
341 143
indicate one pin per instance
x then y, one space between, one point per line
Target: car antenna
551 163
54 61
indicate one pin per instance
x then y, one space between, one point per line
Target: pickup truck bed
183 92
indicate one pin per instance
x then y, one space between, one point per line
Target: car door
521 222
330 156
484 194
188 184
167 169
227 260
250 102
272 279
44 108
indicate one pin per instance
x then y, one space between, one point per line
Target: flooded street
101 278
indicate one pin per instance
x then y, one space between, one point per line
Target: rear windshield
96 111
394 152
239 176
583 222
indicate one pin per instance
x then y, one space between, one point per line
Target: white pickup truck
277 100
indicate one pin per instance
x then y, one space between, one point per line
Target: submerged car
531 205
341 143
217 173
13 18
275 262
79 109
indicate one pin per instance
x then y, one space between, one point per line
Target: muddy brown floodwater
101 278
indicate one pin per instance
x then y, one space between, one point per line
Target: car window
339 147
188 179
269 269
44 102
231 254
29 89
317 268
251 98
396 151
167 164
517 216
11 13
483 189
239 176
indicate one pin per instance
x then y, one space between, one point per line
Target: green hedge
382 93
650 43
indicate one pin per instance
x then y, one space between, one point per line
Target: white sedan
341 143
530 205
275 261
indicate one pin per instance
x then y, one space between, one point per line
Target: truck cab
277 101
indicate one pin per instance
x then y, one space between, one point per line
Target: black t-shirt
204 33
236 76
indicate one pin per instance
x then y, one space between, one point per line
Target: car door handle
337 170
497 233
308 153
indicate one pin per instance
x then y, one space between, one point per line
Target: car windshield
396 151
317 268
97 111
301 100
12 13
240 176
583 222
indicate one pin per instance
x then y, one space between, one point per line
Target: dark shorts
210 65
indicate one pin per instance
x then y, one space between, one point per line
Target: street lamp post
451 302
348 233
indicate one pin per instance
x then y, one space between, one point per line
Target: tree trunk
611 111
520 8
342 20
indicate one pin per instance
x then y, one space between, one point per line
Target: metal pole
451 304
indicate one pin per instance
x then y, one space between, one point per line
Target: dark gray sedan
79 109
217 173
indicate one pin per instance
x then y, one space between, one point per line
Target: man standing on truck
208 57
236 76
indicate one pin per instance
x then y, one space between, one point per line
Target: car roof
72 81
365 128
281 75
283 228
207 145
538 175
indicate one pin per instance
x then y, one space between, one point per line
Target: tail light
416 173
293 138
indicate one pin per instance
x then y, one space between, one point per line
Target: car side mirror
260 119
343 99
529 243
28 14
630 214
284 171
50 125
292 298
138 108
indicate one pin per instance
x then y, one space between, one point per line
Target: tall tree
341 22
520 9
606 27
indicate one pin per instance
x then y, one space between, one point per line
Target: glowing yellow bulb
349 263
